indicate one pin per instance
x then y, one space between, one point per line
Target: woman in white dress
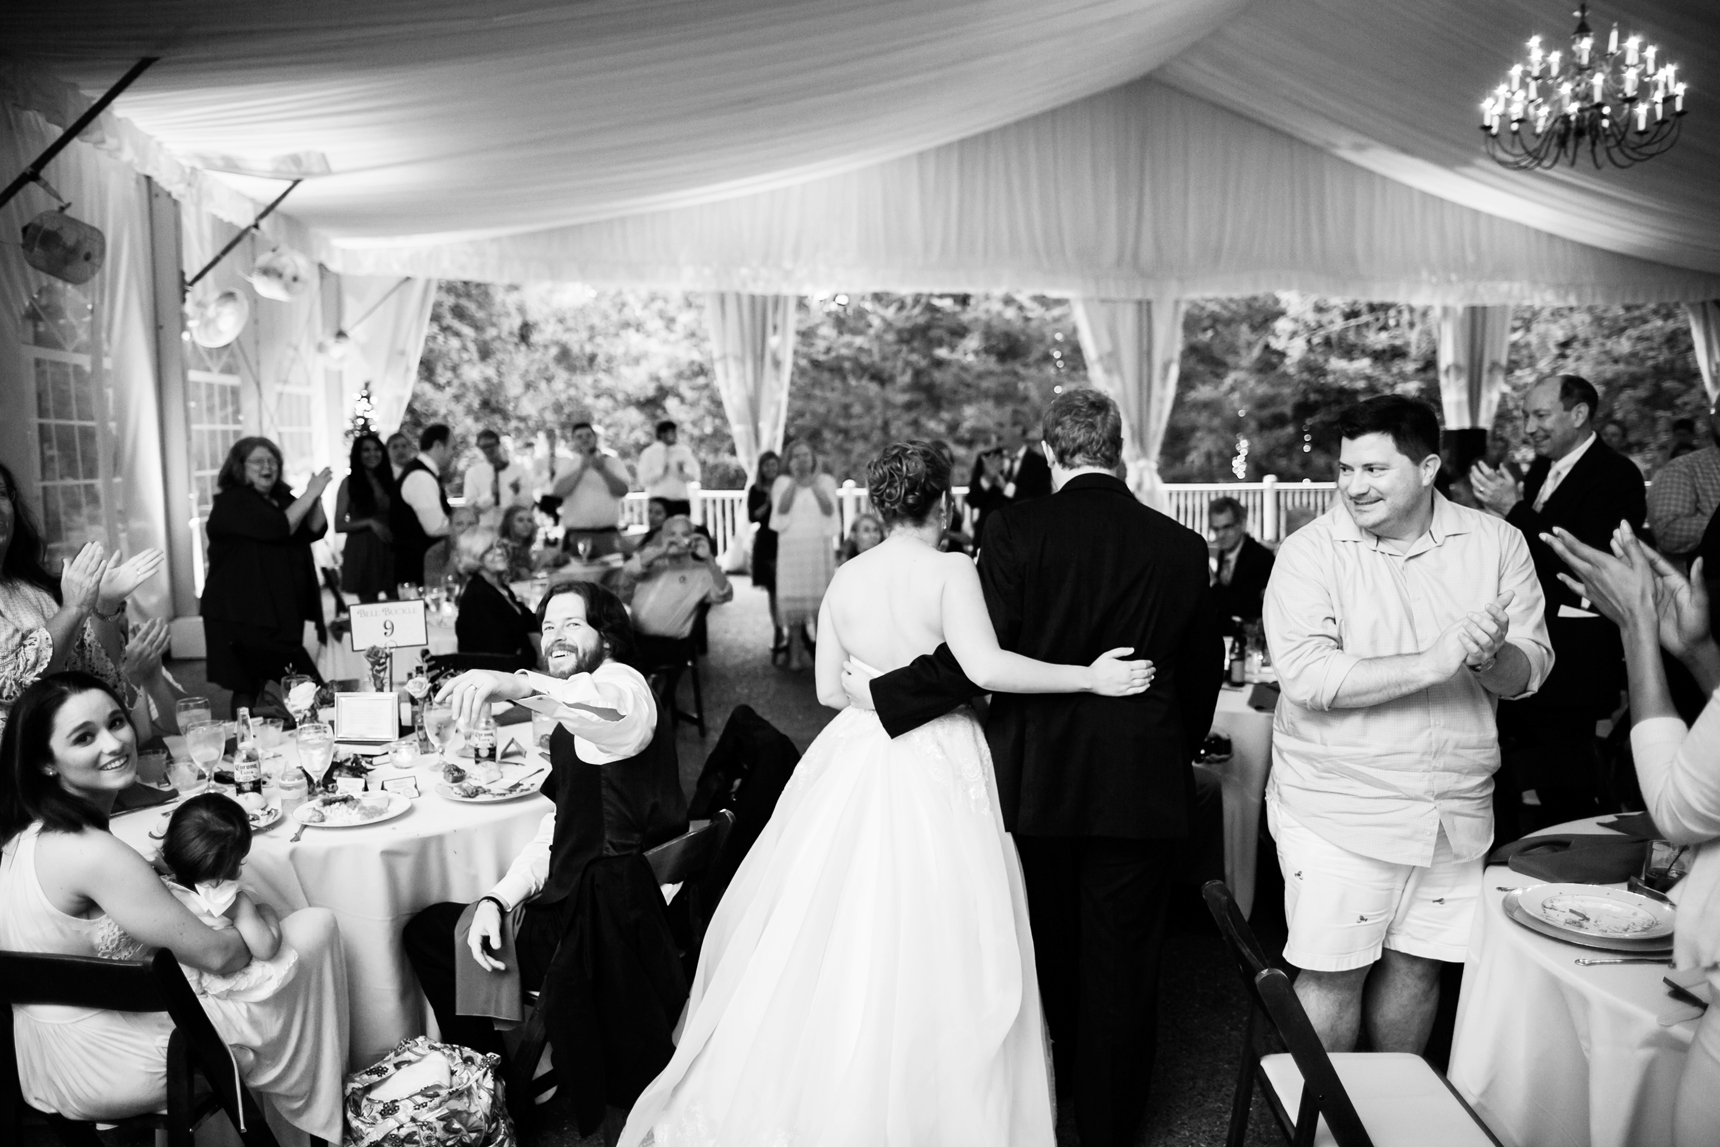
68 886
868 977
804 516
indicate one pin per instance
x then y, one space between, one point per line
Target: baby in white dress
207 840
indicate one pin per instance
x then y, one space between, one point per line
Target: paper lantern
283 274
217 321
66 248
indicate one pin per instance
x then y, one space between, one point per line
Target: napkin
215 896
1637 825
1573 858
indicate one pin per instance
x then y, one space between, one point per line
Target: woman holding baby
274 988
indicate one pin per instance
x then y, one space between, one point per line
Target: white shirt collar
430 462
1562 466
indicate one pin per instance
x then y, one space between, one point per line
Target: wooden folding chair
679 861
1348 1099
196 1054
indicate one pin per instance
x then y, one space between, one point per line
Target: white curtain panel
114 197
1474 344
1133 349
387 345
752 348
1705 333
1139 192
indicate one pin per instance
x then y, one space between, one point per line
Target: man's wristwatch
500 907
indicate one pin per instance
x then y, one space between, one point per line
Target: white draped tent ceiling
788 145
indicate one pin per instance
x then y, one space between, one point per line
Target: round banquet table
1244 786
375 878
1554 1054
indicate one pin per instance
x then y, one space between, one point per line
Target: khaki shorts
1344 908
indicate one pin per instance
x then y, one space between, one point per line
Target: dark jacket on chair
1602 489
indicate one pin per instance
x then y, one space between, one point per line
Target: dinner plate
509 775
1515 910
265 817
1599 912
391 804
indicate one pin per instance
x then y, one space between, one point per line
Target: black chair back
153 985
1271 993
689 855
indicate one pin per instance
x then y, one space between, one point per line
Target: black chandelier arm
33 173
235 240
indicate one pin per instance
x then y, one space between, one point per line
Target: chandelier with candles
1622 106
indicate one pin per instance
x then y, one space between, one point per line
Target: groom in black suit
1097 790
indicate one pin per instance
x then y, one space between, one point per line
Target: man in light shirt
1396 621
420 519
667 468
607 719
591 491
672 576
495 481
401 452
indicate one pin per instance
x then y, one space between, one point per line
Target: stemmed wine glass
316 751
439 726
205 741
583 545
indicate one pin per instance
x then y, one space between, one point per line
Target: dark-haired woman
68 887
262 583
763 565
361 508
868 976
74 619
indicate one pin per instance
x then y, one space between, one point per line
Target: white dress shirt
479 488
664 471
623 729
1559 469
419 492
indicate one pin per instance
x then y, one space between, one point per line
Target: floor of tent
1202 1009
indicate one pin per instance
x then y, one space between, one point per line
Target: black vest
410 541
610 810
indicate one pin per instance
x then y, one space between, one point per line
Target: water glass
269 731
152 767
316 750
189 711
406 591
542 726
205 742
439 725
583 545
188 777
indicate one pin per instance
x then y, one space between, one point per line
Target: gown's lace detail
695 1129
111 942
964 772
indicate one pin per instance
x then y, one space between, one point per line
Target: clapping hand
319 482
701 548
1494 488
143 652
1473 639
81 578
1619 584
121 580
1114 677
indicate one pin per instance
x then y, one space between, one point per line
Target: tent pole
34 172
235 241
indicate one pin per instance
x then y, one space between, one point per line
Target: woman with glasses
262 583
75 618
492 619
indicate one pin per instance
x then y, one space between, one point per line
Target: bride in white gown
868 977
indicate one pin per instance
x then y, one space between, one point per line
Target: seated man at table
1397 620
616 787
671 578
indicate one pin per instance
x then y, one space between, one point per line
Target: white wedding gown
868 978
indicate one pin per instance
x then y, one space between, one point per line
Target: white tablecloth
1558 1055
1244 780
374 879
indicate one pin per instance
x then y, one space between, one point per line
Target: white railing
1270 504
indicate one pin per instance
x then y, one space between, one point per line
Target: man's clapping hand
120 580
1472 640
1494 488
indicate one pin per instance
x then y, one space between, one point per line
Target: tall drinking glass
439 726
583 545
189 711
204 741
316 750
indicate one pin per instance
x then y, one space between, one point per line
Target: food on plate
468 790
453 773
347 809
312 815
253 802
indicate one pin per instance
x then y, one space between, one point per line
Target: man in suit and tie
1097 791
1580 484
1011 471
1241 565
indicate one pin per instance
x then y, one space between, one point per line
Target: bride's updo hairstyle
907 480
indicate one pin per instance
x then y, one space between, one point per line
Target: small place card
405 786
353 785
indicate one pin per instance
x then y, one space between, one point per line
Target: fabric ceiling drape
386 345
752 345
1705 333
1474 343
1139 192
1134 351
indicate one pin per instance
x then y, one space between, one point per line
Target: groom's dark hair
1083 428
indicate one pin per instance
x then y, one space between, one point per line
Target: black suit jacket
1066 578
1602 489
1032 477
1247 589
493 620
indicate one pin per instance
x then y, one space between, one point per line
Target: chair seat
1402 1100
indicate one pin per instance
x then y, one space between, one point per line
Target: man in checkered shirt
1685 495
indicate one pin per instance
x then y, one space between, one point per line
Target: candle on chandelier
1516 76
1678 98
1535 52
1641 117
1630 82
1648 58
1553 63
1599 82
1612 42
1630 49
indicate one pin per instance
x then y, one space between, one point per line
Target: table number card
389 623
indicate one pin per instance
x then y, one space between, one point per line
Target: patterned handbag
425 1094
